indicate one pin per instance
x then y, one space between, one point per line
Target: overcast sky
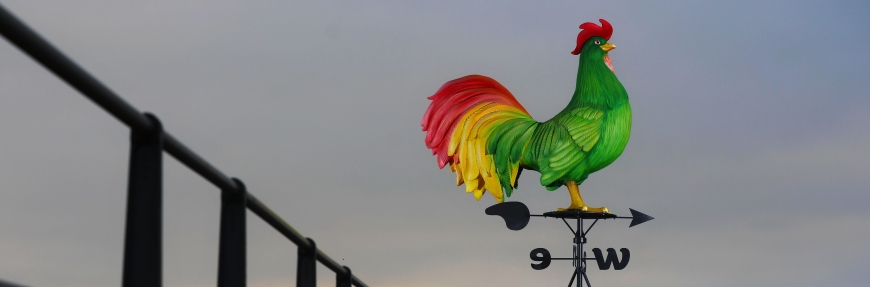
749 145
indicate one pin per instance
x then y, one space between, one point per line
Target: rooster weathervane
477 127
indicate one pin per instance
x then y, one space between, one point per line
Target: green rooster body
476 125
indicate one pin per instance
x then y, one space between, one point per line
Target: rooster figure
477 127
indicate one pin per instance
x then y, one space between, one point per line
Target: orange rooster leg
577 201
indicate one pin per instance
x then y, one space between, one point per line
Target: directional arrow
515 214
638 217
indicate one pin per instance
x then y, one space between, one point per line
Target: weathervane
516 216
480 130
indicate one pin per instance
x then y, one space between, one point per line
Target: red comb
589 30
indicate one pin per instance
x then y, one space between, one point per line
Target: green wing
561 146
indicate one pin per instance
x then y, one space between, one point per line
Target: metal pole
143 238
344 280
580 241
232 264
583 254
306 266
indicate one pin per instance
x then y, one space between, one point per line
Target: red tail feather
452 101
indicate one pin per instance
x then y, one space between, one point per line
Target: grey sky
749 143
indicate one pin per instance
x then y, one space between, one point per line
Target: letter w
604 263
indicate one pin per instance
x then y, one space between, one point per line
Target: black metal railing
143 237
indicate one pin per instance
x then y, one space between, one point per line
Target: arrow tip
515 214
638 217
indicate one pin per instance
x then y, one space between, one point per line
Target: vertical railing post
306 266
232 253
143 237
344 280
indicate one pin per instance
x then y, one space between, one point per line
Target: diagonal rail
29 42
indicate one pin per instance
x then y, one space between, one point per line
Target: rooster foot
577 203
585 209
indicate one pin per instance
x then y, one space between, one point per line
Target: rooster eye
597 42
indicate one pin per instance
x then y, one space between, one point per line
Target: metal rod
572 278
143 235
17 33
590 227
44 53
585 277
580 243
569 227
196 163
232 257
306 265
343 280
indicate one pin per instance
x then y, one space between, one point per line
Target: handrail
28 41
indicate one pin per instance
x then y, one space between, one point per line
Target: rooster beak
608 47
